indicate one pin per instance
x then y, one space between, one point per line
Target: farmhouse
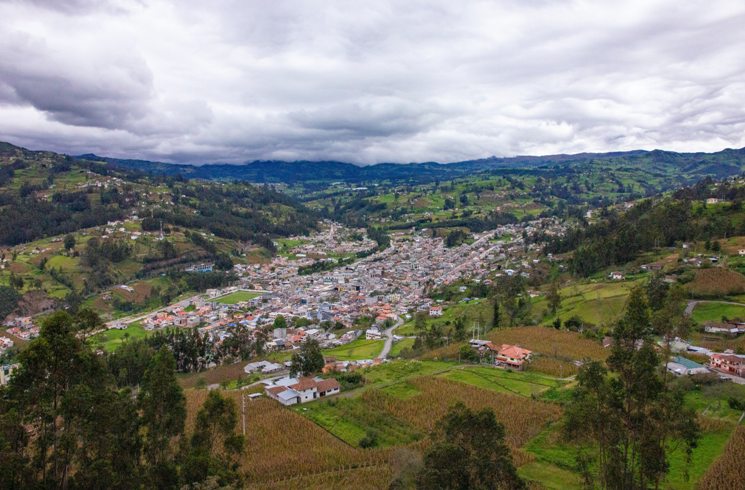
616 276
508 355
728 362
291 391
654 266
435 311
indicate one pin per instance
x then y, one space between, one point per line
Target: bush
370 440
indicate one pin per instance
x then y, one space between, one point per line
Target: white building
291 391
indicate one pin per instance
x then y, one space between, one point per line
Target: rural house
728 363
291 391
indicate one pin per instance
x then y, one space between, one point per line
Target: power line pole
243 412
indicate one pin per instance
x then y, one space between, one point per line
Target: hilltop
691 166
72 229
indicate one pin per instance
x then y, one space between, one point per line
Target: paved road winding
389 338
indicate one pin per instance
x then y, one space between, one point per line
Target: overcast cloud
366 82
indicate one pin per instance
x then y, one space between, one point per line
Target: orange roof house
509 355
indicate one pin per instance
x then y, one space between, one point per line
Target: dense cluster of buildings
22 327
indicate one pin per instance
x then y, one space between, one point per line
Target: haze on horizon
369 82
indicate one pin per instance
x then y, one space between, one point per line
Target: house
435 311
680 366
728 362
732 329
616 276
373 333
292 391
510 356
654 266
6 371
713 200
265 367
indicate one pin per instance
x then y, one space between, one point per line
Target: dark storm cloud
370 81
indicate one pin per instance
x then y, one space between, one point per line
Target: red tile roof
328 384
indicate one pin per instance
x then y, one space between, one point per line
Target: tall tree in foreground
215 446
163 409
468 452
627 411
62 423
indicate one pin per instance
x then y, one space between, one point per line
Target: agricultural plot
502 381
406 412
356 350
111 339
727 471
716 311
554 350
596 303
716 282
402 344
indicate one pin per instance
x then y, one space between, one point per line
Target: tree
87 320
309 360
468 451
215 446
496 314
627 410
69 242
163 407
63 424
280 322
223 262
554 297
656 291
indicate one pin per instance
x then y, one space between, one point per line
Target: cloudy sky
370 81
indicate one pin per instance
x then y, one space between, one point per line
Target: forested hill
675 168
45 194
706 211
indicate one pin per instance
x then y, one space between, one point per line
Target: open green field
351 420
237 297
503 381
715 311
356 350
111 339
596 303
402 344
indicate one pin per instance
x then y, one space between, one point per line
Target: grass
350 419
714 311
111 339
550 476
596 303
401 345
237 297
356 350
710 446
503 381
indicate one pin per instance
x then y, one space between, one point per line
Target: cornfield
553 367
716 282
286 450
280 443
522 417
728 470
362 478
548 342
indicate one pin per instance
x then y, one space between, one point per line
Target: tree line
67 420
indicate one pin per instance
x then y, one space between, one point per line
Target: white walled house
292 391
